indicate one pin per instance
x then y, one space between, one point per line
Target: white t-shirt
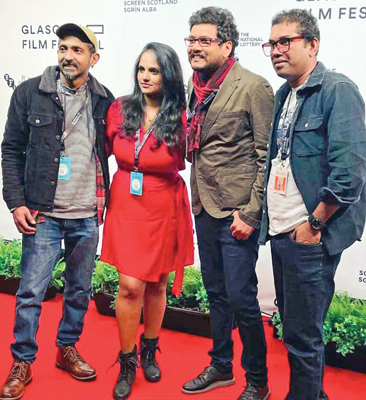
285 211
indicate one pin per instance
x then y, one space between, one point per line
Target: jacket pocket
36 167
308 139
232 126
39 124
234 186
39 119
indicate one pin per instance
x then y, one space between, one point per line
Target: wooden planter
178 319
11 286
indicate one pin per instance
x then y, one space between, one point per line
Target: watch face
316 223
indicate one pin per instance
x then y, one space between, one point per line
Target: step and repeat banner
123 27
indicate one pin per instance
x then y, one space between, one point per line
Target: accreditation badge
280 181
64 170
136 183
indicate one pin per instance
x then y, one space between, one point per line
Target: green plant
202 299
10 257
105 279
58 279
277 324
345 324
193 295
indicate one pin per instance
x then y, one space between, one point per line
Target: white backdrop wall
123 27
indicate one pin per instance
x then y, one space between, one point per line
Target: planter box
275 334
50 293
354 361
188 321
11 286
179 319
103 302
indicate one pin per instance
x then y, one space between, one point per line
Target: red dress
150 235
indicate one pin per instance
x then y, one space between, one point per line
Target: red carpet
183 356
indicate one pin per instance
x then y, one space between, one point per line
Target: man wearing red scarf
230 111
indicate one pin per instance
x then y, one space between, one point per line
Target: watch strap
316 223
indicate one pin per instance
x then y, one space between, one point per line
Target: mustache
197 53
69 63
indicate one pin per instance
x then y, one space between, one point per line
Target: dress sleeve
114 120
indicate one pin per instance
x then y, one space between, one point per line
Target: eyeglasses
202 41
282 44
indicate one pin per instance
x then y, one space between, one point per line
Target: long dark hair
168 125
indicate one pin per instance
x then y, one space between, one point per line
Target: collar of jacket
49 79
316 79
233 75
226 89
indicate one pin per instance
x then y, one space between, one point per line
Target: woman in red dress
148 229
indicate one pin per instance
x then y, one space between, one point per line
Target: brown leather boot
69 359
20 375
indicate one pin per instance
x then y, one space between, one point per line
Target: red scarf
202 91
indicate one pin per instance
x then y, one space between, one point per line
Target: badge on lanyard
64 170
280 181
136 183
136 177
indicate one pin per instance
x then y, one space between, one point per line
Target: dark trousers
228 271
304 280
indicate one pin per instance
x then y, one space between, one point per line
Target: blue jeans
304 281
228 272
40 253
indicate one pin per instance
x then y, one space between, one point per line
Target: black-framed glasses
282 44
203 41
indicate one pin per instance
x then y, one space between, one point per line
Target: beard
206 70
70 76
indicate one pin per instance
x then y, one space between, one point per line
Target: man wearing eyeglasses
314 206
229 114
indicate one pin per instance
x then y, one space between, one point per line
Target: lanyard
285 137
75 120
139 145
200 106
197 108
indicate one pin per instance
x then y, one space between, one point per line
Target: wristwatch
316 223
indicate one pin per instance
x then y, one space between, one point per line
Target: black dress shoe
148 362
209 379
126 377
255 393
